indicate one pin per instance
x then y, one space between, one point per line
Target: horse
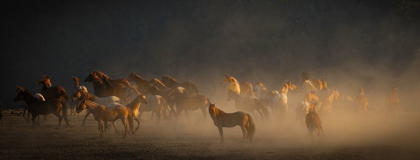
80 95
325 90
37 107
143 84
50 92
134 105
104 77
25 106
326 107
233 84
248 104
361 102
222 119
186 103
316 82
391 102
279 101
246 89
76 88
103 114
157 104
153 90
260 90
104 88
303 107
313 122
171 82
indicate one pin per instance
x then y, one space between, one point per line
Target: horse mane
158 81
261 86
76 81
100 74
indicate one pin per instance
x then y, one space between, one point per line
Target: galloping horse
361 101
25 106
38 107
169 101
248 104
392 101
241 119
303 107
279 101
246 89
326 107
144 84
315 82
50 92
172 82
189 103
313 122
76 88
134 106
103 114
157 104
104 88
81 95
105 77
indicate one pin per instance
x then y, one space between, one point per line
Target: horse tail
250 127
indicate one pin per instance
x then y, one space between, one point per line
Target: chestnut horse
103 114
38 107
157 104
248 104
326 107
392 101
50 92
313 122
172 82
134 106
222 119
303 107
315 82
188 103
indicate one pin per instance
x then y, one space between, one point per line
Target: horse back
230 119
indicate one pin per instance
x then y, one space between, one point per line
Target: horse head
20 91
291 86
81 107
225 79
46 81
213 110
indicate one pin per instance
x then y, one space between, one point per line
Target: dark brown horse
143 84
172 82
50 92
241 119
104 77
38 107
189 103
313 122
104 88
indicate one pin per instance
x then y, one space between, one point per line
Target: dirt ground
346 138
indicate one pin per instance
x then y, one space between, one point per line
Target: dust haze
372 44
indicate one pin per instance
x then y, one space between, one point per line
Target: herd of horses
118 99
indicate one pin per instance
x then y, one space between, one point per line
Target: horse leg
153 113
221 134
179 112
188 115
138 123
124 120
60 118
115 127
141 112
100 127
158 114
33 121
243 131
84 120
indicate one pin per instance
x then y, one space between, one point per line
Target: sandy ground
346 138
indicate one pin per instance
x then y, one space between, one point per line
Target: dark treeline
197 40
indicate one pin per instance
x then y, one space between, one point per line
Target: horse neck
89 96
135 104
29 99
76 83
90 105
139 81
173 83
285 89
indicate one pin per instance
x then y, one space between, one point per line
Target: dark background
200 40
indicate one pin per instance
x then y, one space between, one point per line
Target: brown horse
361 101
326 107
38 107
313 122
134 106
123 82
143 84
303 107
104 88
50 92
76 87
153 90
172 82
248 104
103 114
315 82
246 89
189 103
392 101
241 119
